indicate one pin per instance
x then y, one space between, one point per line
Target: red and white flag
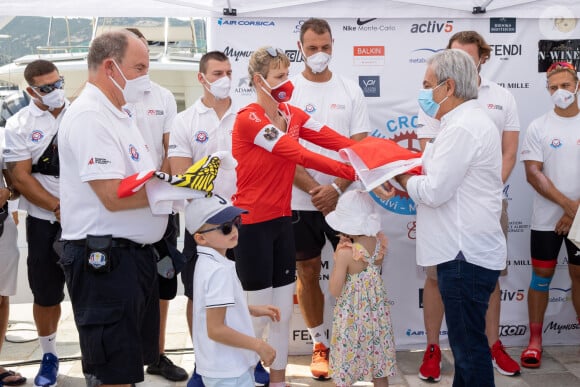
377 160
133 183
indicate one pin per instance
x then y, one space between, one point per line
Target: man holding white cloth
458 201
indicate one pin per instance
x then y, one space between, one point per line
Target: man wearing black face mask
32 160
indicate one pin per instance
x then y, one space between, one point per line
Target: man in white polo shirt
31 157
204 128
108 260
500 106
551 154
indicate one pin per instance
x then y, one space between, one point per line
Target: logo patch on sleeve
271 133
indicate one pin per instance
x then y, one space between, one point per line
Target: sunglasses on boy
51 86
226 228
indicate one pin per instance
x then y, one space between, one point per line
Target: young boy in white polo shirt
224 334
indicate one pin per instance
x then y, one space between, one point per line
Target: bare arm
509 150
218 331
544 186
165 163
106 191
21 175
325 197
179 165
338 276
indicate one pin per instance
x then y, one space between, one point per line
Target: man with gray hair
458 206
108 260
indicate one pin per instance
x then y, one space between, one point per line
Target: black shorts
45 275
545 246
116 313
168 286
190 252
265 254
310 234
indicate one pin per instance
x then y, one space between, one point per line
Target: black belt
120 243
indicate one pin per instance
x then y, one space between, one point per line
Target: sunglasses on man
51 86
226 228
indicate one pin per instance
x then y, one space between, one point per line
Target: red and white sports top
267 159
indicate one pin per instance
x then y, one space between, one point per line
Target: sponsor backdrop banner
387 57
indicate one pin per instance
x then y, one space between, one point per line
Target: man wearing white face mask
551 154
204 128
109 263
32 160
154 114
339 103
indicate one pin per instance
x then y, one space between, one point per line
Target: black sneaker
167 369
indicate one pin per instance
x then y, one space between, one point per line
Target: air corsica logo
248 23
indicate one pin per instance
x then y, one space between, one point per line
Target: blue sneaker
261 376
48 372
195 380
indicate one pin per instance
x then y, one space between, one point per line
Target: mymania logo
432 26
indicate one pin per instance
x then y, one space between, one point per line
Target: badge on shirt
270 133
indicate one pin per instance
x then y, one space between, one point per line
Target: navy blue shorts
310 234
45 275
116 313
168 286
265 255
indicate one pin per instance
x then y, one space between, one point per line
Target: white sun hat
355 214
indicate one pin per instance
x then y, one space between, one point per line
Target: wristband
10 193
336 188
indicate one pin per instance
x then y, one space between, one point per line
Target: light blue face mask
426 102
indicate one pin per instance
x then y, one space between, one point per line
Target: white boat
174 54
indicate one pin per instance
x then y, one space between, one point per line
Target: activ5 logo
432 27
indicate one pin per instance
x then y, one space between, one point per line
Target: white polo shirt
339 104
98 142
154 117
216 285
554 141
28 133
498 102
197 132
459 195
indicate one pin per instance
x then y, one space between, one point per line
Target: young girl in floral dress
362 346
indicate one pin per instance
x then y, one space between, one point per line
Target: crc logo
370 85
512 330
432 26
512 295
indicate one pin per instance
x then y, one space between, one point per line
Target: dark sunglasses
227 227
273 52
51 86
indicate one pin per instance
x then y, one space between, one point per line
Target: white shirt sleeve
446 162
532 145
512 120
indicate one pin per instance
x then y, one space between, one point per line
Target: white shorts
9 255
244 380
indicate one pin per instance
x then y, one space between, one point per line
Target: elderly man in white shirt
458 201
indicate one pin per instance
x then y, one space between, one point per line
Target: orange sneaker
319 365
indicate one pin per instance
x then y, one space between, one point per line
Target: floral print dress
362 344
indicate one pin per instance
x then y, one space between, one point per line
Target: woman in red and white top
265 145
